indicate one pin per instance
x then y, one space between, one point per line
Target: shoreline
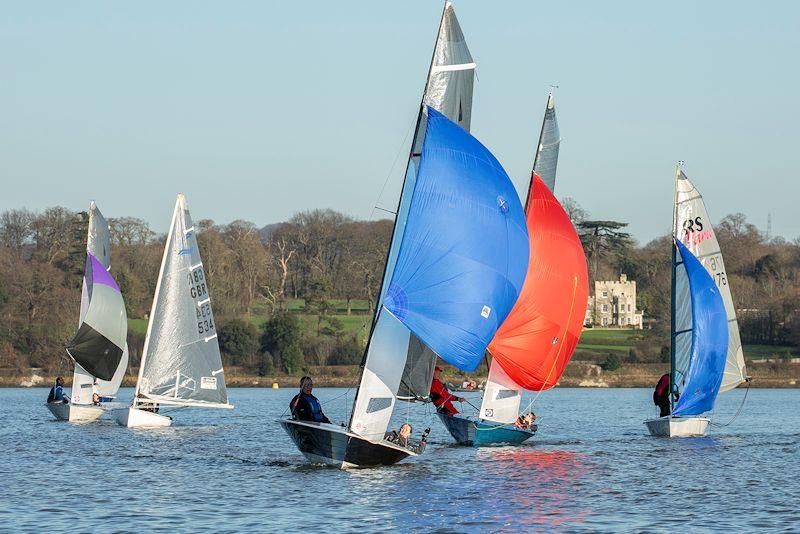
577 375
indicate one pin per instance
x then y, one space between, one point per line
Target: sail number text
198 290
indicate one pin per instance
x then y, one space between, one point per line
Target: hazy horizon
257 111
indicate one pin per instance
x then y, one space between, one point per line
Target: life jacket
313 405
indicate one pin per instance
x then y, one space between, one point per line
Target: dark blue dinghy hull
323 443
478 433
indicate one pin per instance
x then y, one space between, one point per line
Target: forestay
99 346
181 362
700 334
693 228
396 364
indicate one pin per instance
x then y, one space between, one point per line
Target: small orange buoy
274 385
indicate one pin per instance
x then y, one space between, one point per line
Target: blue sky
257 110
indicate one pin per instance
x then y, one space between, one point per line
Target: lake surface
591 467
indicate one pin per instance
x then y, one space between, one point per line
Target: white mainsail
693 228
181 362
98 244
448 90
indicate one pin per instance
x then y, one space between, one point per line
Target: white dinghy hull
136 418
677 427
75 413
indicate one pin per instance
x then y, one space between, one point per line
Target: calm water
592 467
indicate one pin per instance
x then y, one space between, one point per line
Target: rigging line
391 170
746 391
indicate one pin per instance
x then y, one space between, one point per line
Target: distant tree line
320 256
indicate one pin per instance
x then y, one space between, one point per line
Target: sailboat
181 364
706 354
455 266
99 348
534 344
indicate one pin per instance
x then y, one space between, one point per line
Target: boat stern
677 427
328 444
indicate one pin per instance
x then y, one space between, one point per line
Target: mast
411 155
672 383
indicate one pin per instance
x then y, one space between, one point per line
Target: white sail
501 397
448 90
693 228
181 362
83 383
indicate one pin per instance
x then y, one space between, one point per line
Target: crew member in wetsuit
402 436
441 397
661 395
305 406
57 392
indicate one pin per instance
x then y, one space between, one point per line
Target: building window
605 321
629 307
628 320
605 308
605 293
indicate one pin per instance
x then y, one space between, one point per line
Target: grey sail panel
181 358
682 327
546 160
448 90
415 384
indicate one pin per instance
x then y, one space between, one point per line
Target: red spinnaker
537 339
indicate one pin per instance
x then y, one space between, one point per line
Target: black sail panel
94 352
415 384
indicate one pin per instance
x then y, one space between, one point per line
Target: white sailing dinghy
697 371
99 348
181 364
455 265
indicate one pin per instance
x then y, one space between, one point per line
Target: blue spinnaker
709 346
464 252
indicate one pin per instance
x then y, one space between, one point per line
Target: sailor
305 406
402 437
95 395
661 395
441 397
57 392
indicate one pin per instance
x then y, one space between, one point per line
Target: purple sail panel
99 273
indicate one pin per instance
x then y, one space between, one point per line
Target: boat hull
135 418
75 413
479 433
677 427
323 443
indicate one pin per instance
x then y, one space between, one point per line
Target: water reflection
534 487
